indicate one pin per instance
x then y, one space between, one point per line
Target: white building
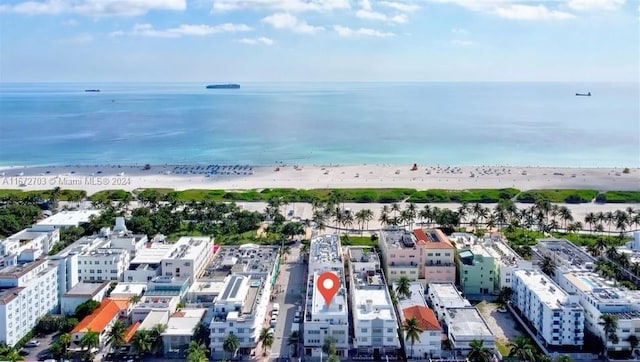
249 272
149 303
27 292
557 317
322 320
27 245
179 332
65 219
464 323
189 257
374 318
415 306
128 290
146 264
599 296
80 293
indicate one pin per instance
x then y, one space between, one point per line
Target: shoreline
93 178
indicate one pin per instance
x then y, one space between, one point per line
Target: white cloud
116 33
348 32
531 12
260 40
70 22
78 39
462 43
290 22
94 7
459 31
596 4
374 15
282 5
366 5
404 7
512 9
186 30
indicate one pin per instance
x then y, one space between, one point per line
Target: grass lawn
572 196
357 240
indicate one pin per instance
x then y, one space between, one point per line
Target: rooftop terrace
249 259
567 252
602 289
398 238
325 249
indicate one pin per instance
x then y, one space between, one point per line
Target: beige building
424 255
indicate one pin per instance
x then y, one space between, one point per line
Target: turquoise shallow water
430 123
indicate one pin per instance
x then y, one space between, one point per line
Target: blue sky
319 40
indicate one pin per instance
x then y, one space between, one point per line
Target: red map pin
328 285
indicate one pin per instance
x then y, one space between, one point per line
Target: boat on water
223 86
583 94
92 90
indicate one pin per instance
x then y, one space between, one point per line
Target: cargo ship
223 86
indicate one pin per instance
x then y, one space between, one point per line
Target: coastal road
292 280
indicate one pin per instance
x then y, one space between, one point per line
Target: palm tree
13 356
65 341
197 352
266 338
333 358
479 353
504 295
329 346
143 342
135 299
563 358
115 337
548 266
90 340
403 289
361 218
522 349
412 332
231 344
609 323
156 337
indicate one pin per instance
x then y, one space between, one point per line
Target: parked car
32 343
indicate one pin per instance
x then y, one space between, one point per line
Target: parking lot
502 324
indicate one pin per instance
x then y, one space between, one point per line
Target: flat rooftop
246 259
153 253
338 305
129 289
17 271
602 289
467 321
9 294
398 238
154 318
213 287
241 290
416 298
183 321
363 254
448 295
325 249
567 252
370 304
68 218
541 285
189 247
83 289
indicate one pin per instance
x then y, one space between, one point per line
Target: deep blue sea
320 123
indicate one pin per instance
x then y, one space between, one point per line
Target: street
292 280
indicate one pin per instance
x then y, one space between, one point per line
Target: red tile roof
441 240
128 334
100 318
427 320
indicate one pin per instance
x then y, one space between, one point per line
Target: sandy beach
93 178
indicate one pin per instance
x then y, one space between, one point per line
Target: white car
32 343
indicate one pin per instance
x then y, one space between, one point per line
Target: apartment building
189 257
430 341
65 219
81 293
321 320
485 262
179 332
599 296
374 319
556 316
101 320
463 322
423 255
27 245
27 292
249 273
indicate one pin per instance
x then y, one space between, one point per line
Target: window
364 330
429 254
437 254
389 330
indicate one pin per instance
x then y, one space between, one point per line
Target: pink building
422 255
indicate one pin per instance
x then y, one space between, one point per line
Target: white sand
95 178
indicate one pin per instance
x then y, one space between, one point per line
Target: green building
478 270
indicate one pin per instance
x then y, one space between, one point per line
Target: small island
223 86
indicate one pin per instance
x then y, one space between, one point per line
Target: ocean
520 124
